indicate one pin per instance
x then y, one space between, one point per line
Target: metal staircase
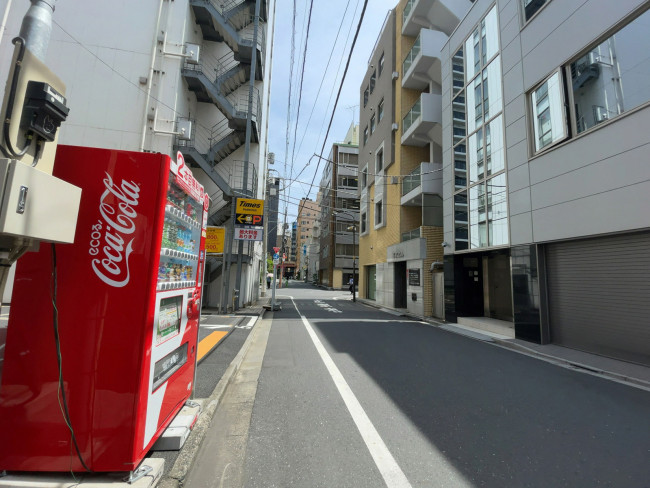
231 21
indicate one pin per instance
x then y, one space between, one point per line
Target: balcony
425 179
422 63
423 123
413 234
442 15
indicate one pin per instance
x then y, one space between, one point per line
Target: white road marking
384 460
249 325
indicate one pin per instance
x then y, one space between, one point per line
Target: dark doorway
497 288
399 278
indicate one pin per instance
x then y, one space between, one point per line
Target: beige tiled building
308 213
400 160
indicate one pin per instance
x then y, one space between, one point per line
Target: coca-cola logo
112 230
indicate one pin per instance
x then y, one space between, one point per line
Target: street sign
276 256
244 234
214 239
276 250
249 212
276 261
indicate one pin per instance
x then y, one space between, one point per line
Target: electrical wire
61 397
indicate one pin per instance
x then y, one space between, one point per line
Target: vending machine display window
179 254
168 365
169 318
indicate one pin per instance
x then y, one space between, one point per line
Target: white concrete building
162 76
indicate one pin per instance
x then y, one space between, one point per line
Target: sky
327 19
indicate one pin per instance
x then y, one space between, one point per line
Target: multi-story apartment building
339 211
401 156
308 214
313 253
167 76
546 106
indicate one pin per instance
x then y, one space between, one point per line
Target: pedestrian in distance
351 287
269 276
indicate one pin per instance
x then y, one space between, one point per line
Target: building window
364 221
381 65
612 77
480 208
373 78
379 161
364 177
365 136
372 124
380 110
547 103
366 94
531 7
379 216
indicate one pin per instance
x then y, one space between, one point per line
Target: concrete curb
185 460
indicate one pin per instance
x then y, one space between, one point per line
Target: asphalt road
388 401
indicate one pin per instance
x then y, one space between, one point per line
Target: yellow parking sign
214 240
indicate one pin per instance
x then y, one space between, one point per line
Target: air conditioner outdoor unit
600 114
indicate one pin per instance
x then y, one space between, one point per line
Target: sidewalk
613 369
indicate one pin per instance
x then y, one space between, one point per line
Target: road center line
384 460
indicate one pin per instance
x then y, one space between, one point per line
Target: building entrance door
372 283
399 278
497 291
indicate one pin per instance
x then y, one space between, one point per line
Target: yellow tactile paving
206 345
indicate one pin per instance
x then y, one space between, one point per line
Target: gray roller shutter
599 295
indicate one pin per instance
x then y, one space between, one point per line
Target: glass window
492 100
460 221
373 78
477 216
497 211
494 153
613 77
372 124
365 136
460 167
379 161
458 71
364 220
532 6
364 177
378 213
547 104
381 66
475 144
380 110
366 94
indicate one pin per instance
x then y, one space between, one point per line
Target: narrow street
351 396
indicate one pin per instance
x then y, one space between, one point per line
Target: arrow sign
247 219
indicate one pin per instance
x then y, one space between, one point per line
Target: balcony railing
412 116
412 181
413 234
410 57
407 10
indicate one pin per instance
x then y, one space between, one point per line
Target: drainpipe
150 77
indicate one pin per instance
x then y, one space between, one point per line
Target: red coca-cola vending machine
120 306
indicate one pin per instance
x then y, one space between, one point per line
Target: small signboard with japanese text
245 234
414 277
214 239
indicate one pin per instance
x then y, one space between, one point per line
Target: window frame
380 223
373 81
380 110
568 128
379 152
366 96
525 21
380 68
373 124
365 135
